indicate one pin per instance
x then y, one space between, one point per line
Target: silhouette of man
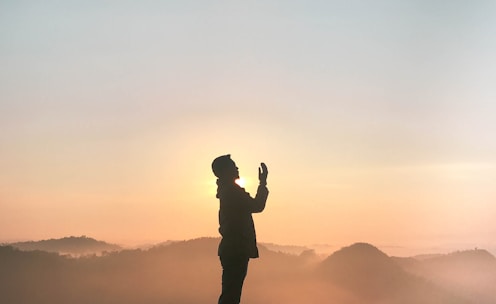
238 243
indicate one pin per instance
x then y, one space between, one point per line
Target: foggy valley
187 272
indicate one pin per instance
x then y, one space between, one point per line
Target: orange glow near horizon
310 202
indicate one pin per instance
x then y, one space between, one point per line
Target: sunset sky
377 119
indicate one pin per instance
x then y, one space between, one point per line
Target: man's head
225 168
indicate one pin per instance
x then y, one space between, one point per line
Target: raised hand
262 174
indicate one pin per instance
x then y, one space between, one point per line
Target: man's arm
258 204
245 201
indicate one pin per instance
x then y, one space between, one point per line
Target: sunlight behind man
241 182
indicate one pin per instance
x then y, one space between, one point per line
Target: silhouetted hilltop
368 272
68 245
364 268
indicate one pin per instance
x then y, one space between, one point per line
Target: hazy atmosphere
376 120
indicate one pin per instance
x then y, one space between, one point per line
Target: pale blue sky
312 87
426 68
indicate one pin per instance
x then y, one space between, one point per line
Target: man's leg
233 275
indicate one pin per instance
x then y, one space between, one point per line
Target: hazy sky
377 119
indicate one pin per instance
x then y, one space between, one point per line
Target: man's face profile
232 170
224 167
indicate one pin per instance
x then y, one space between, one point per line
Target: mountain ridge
359 273
72 245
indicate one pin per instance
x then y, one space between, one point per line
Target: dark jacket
235 219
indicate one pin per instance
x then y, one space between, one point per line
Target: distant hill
363 266
68 245
368 272
183 272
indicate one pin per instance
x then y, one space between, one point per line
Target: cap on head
221 163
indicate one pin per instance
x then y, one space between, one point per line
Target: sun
241 182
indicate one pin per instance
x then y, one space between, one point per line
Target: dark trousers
233 275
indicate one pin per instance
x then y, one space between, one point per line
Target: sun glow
241 182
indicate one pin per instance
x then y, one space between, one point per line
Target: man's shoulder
233 192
